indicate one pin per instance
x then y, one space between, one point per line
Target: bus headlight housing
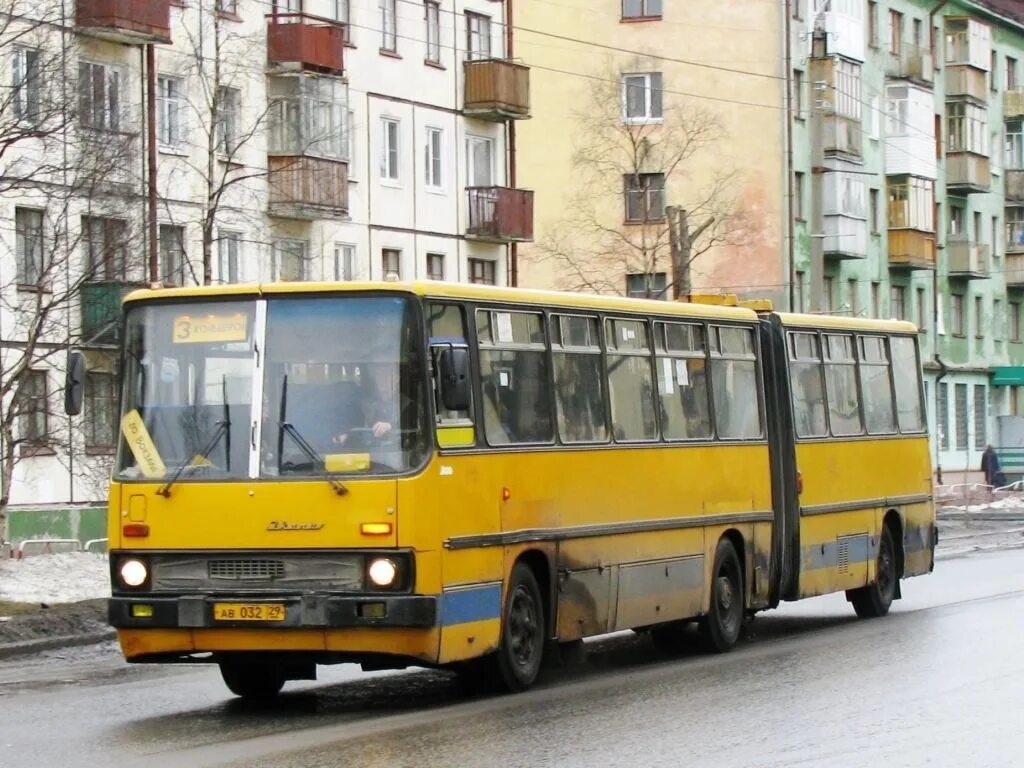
382 572
133 573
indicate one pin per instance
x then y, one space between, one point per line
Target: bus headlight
382 572
133 572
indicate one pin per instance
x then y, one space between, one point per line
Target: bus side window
579 383
447 328
876 386
514 377
734 383
631 380
841 386
681 370
805 381
907 375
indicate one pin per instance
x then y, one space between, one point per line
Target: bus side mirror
453 378
74 383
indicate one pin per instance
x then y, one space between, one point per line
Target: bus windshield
340 383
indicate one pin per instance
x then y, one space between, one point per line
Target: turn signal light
375 529
135 530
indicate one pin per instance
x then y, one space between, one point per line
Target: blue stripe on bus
471 604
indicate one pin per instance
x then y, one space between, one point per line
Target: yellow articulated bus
465 477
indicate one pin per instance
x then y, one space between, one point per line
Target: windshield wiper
284 428
221 428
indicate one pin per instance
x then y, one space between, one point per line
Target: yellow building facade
642 105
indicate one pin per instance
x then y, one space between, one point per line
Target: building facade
223 141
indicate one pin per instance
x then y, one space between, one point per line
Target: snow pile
66 577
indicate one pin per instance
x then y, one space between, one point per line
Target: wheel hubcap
522 627
885 567
728 602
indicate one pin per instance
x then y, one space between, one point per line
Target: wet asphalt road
939 682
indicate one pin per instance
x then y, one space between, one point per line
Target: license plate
248 612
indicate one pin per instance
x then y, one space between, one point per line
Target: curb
26 647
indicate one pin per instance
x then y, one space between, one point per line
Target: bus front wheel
253 682
520 651
874 600
720 628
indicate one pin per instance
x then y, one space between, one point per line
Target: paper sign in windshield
142 447
209 329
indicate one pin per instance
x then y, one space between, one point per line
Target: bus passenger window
630 381
514 377
447 328
805 381
579 385
681 369
907 375
876 387
841 386
734 383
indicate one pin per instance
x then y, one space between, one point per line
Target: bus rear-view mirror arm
74 383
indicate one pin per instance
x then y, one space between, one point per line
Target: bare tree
642 165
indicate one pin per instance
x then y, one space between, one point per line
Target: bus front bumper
300 611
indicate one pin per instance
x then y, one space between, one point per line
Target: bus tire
517 662
873 600
252 682
720 628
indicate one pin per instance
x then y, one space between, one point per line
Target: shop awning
1008 376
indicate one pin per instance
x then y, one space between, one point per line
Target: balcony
965 80
967 173
135 22
303 187
967 260
843 135
1014 270
497 90
845 237
1015 234
1014 184
911 249
302 41
1013 103
911 63
500 214
101 310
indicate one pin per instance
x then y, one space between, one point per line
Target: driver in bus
376 406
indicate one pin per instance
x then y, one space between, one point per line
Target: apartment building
220 141
913 112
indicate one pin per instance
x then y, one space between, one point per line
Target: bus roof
438 289
846 323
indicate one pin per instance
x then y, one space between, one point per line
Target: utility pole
680 240
819 99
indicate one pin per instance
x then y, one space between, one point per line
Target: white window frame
432 18
229 108
471 164
391 151
171 113
388 25
436 255
26 84
229 248
290 248
653 89
344 261
847 91
29 245
433 159
478 36
967 127
109 116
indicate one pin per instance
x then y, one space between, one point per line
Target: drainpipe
513 266
154 267
938 442
790 229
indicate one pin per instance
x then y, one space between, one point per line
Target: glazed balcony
1013 103
135 22
500 214
845 237
967 173
911 63
496 90
911 249
1014 184
307 188
101 310
303 41
967 260
1015 236
843 135
963 80
1015 270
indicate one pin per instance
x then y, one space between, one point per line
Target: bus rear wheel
517 662
720 628
873 600
252 682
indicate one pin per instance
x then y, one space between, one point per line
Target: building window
26 85
34 409
997 319
99 96
967 127
979 317
308 116
105 245
228 246
481 271
434 158
28 226
435 266
1015 144
1015 321
851 292
100 410
389 149
876 225
1015 227
170 112
1011 73
289 260
872 23
897 103
956 220
876 300
980 418
651 285
229 7
344 261
798 196
957 309
911 203
641 9
995 237
388 26
172 254
898 302
391 263
432 12
960 415
480 161
847 92
798 94
942 414
478 36
642 97
922 309
350 139
645 197
895 32
229 107
828 295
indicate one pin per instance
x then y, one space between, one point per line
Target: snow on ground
65 577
